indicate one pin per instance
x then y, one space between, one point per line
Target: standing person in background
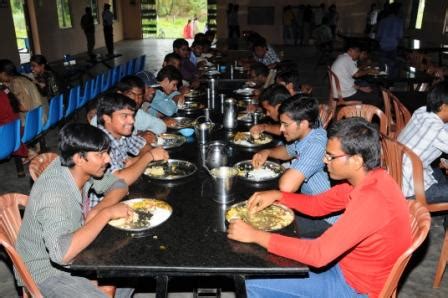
108 29
195 26
372 17
389 33
233 25
333 19
44 77
88 26
308 19
187 30
289 21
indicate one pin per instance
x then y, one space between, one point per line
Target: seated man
427 135
258 73
291 80
299 124
115 114
187 69
271 98
196 51
264 54
165 100
134 88
53 231
346 70
362 247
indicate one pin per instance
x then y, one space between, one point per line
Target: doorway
21 25
168 18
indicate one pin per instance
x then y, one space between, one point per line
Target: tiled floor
417 282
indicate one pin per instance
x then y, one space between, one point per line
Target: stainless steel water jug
230 114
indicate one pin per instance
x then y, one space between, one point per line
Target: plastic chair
10 222
55 112
105 81
85 95
32 125
326 113
95 87
420 221
115 75
122 73
72 102
367 112
397 114
130 67
39 163
140 63
10 136
335 90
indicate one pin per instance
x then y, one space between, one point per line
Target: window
417 13
64 16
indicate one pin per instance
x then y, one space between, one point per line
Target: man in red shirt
356 254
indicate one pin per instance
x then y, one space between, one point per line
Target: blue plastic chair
32 125
25 68
130 67
115 75
105 81
10 136
55 112
95 88
140 63
122 71
85 95
72 102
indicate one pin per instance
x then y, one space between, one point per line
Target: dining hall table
193 241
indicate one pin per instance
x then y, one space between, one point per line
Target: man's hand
260 158
149 136
260 200
241 231
365 89
257 129
306 89
170 122
159 153
119 210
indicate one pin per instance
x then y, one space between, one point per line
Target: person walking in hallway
88 26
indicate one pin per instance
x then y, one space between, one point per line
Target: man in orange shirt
356 254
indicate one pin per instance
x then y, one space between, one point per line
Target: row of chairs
78 97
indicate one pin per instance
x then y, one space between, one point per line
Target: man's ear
357 161
107 119
77 159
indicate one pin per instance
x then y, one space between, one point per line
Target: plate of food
194 94
245 139
182 122
245 91
190 106
212 72
169 140
147 214
268 171
249 117
172 169
272 218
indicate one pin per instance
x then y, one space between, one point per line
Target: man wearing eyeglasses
356 254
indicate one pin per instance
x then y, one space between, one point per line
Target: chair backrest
335 87
105 81
72 101
140 63
130 67
397 114
392 157
10 136
95 87
122 73
33 124
10 222
365 111
326 113
115 75
55 111
39 163
84 94
420 221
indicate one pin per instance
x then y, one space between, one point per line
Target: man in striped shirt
427 135
55 229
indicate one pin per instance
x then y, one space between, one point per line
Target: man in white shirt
427 135
347 71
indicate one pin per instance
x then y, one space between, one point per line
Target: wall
8 49
352 17
132 24
56 42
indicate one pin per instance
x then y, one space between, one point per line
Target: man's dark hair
172 56
112 102
275 94
171 73
260 69
199 42
178 43
129 82
358 136
80 138
8 67
260 42
437 97
356 45
290 77
199 36
300 108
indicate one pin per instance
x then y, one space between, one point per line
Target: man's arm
291 180
113 196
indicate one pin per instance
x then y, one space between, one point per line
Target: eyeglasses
329 157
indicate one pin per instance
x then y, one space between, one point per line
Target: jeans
437 192
65 285
329 283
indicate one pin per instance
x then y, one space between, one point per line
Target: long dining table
193 241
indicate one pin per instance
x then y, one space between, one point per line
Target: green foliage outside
174 14
19 22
